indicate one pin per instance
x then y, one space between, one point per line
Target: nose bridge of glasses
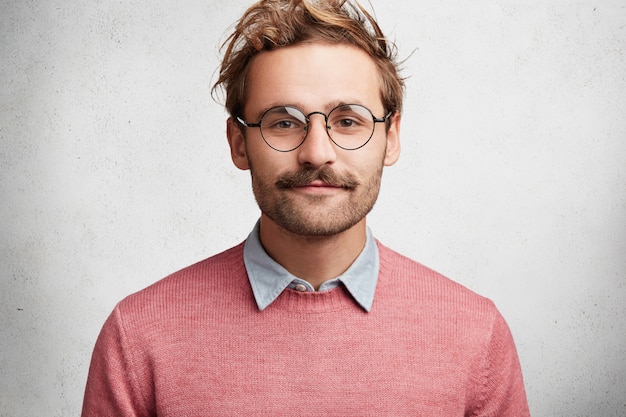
324 115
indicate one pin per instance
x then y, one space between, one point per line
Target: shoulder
416 283
208 281
435 305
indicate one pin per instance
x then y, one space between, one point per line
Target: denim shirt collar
269 279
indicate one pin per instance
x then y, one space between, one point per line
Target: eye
284 124
282 120
347 123
346 120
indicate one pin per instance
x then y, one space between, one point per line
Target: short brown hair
271 24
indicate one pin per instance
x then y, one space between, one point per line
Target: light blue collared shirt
269 279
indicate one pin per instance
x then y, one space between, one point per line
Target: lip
319 184
318 187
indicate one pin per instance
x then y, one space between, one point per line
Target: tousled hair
271 24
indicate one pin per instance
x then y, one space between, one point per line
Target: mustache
308 175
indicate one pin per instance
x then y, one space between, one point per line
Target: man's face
317 189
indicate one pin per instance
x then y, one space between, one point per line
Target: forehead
312 76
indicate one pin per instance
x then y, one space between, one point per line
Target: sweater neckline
336 299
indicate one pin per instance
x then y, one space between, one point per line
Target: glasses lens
351 126
283 128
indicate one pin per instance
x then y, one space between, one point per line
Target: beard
318 215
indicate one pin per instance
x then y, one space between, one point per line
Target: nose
317 149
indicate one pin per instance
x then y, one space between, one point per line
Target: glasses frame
307 117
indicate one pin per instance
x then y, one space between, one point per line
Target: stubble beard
316 216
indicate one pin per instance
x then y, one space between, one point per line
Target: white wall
115 172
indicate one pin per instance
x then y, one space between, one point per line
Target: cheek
366 161
267 165
256 155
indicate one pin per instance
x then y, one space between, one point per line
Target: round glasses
349 126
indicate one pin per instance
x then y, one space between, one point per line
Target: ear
237 144
393 140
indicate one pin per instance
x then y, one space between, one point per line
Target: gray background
115 172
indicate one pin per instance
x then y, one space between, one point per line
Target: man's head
272 24
314 97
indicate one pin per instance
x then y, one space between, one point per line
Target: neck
315 259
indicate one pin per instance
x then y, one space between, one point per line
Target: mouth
319 189
319 184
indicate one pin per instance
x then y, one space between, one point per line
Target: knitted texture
195 344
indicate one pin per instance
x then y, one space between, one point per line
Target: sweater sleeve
500 385
112 388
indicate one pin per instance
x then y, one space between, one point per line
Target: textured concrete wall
115 172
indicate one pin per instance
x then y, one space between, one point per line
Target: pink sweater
195 344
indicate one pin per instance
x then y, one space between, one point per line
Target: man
310 316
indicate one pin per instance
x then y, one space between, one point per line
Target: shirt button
300 287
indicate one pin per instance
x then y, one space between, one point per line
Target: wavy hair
271 24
